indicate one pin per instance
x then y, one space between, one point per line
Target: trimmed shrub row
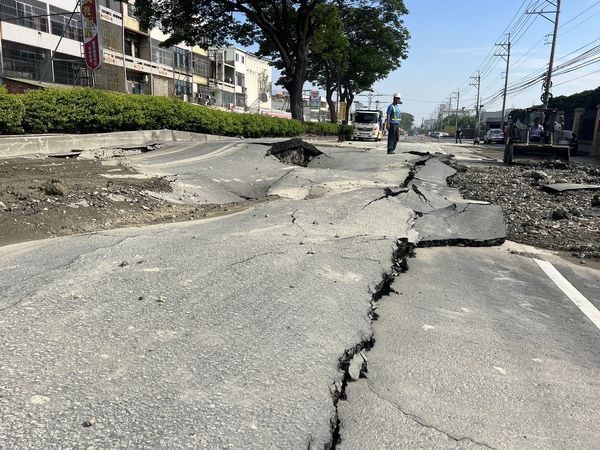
85 110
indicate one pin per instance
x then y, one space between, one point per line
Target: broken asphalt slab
469 224
444 217
562 187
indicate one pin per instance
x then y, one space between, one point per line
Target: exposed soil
49 197
567 222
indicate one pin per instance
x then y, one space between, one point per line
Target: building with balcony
41 45
240 81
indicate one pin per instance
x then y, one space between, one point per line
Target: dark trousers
393 136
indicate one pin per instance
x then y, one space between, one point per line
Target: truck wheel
508 153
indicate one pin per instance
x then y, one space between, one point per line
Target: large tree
329 56
378 42
283 29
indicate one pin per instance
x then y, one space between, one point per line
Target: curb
24 145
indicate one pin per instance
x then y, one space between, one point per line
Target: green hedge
11 112
84 110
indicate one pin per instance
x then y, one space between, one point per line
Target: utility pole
505 56
457 103
370 95
547 95
477 83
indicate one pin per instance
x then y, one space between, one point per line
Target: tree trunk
332 106
332 110
348 98
295 83
295 90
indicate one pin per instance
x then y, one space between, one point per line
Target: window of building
133 45
25 61
200 65
240 100
67 69
228 98
26 12
71 26
242 59
182 59
111 4
240 79
237 57
162 55
202 93
112 36
183 88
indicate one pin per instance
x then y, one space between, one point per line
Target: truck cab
367 124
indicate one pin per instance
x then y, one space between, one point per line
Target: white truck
367 124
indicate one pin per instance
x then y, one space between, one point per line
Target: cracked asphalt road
237 331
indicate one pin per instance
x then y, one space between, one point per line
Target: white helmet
398 95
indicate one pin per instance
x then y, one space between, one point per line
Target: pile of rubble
535 213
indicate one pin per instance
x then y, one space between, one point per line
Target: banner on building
90 23
315 99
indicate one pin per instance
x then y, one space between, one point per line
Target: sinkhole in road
294 151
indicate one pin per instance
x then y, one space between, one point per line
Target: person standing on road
458 136
392 123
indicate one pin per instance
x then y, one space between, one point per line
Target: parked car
493 135
567 137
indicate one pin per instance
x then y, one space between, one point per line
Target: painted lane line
570 291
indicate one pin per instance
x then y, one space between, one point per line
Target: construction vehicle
519 138
367 124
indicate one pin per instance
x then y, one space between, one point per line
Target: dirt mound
41 198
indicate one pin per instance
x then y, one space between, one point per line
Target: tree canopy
378 43
407 121
370 35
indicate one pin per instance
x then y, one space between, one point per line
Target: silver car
493 135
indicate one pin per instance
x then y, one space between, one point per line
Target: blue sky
451 40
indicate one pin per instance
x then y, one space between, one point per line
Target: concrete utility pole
547 95
457 103
477 83
506 57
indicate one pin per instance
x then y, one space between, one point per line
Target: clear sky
451 40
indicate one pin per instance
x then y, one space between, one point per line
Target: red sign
90 23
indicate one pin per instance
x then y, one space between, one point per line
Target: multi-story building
258 84
42 44
240 81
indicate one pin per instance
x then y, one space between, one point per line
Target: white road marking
576 297
427 327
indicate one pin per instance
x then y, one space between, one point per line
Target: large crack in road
353 364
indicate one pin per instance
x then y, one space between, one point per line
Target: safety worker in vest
392 123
